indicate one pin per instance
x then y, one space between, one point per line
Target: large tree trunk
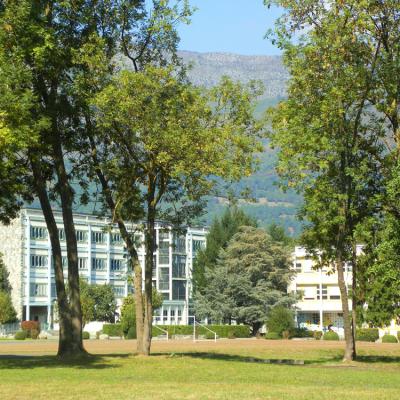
348 335
67 197
65 344
133 255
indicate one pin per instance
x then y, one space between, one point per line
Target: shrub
128 314
331 335
317 335
231 335
29 325
112 330
367 335
280 319
131 334
302 333
389 339
85 335
20 335
273 336
34 333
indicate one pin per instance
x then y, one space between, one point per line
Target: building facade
102 259
320 303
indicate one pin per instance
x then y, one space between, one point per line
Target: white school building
26 250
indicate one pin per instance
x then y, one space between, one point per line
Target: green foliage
389 339
85 335
99 302
220 233
330 335
4 282
128 315
34 333
280 319
317 335
211 336
131 334
249 279
20 335
273 336
113 330
7 311
367 335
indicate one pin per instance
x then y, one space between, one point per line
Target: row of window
299 267
40 290
315 292
98 264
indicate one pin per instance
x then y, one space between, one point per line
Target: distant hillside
271 204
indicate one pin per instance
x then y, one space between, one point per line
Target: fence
9 329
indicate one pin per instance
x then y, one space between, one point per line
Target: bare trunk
348 335
133 255
148 286
354 300
65 344
66 195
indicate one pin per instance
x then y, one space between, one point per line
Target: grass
186 370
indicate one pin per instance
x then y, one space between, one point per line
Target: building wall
11 237
102 259
320 304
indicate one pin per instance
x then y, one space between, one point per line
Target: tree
4 282
221 231
164 139
53 53
7 311
330 139
250 278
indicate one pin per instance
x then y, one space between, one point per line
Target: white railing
162 330
203 326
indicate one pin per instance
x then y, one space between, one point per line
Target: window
179 266
163 248
324 293
164 279
119 291
64 261
165 315
81 236
61 234
38 289
98 264
334 293
116 239
116 265
196 246
165 296
178 290
82 263
38 261
348 267
53 291
308 292
131 289
38 233
298 267
98 237
179 244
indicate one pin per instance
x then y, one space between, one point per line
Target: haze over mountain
271 204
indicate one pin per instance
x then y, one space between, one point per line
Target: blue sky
235 26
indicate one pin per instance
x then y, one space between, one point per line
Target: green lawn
225 370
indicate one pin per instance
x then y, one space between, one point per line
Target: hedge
302 333
367 335
20 335
112 330
131 334
389 339
272 336
222 331
330 335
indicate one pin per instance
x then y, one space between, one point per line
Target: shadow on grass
96 362
379 359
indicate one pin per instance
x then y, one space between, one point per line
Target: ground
228 369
